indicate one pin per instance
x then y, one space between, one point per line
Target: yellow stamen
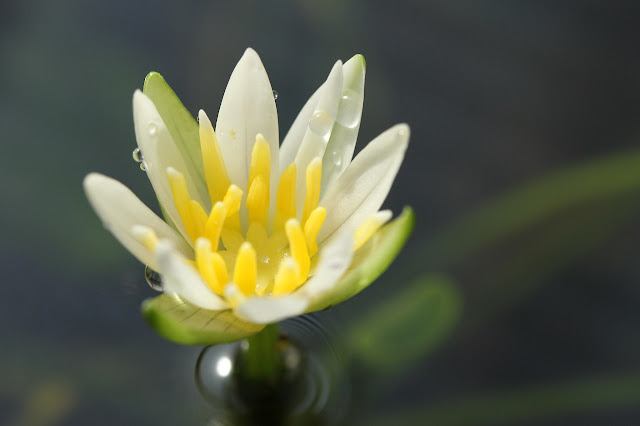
259 176
146 236
204 261
214 224
182 200
286 197
365 231
231 239
246 270
220 269
232 201
260 161
258 201
214 169
298 248
314 177
287 277
257 236
199 216
312 227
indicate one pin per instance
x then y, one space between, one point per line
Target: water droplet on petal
153 278
321 124
143 166
152 129
275 95
350 109
336 158
137 155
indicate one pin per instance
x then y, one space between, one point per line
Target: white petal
345 131
291 143
119 209
383 216
265 310
248 108
364 185
178 277
160 152
319 129
335 258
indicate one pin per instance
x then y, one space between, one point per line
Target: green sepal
184 129
370 261
181 322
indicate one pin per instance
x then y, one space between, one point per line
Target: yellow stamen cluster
271 257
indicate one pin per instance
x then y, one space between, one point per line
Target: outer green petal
181 124
183 323
370 261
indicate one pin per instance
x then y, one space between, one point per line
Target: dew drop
153 129
137 155
336 158
320 124
275 95
153 278
350 109
143 166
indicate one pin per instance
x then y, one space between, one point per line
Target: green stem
262 360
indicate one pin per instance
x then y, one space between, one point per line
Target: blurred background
517 299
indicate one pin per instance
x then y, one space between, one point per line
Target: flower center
275 254
272 256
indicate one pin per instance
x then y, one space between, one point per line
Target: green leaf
182 126
183 323
411 324
598 180
370 261
533 405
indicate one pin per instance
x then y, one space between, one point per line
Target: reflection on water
314 389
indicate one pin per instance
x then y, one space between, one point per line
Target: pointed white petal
119 209
265 310
178 277
160 152
248 108
364 185
335 258
319 129
291 143
345 131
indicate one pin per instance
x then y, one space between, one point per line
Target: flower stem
262 360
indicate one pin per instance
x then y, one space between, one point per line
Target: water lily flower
255 231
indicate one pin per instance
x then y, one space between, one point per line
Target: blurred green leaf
600 179
518 405
414 322
547 251
186 324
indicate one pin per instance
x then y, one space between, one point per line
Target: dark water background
498 94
